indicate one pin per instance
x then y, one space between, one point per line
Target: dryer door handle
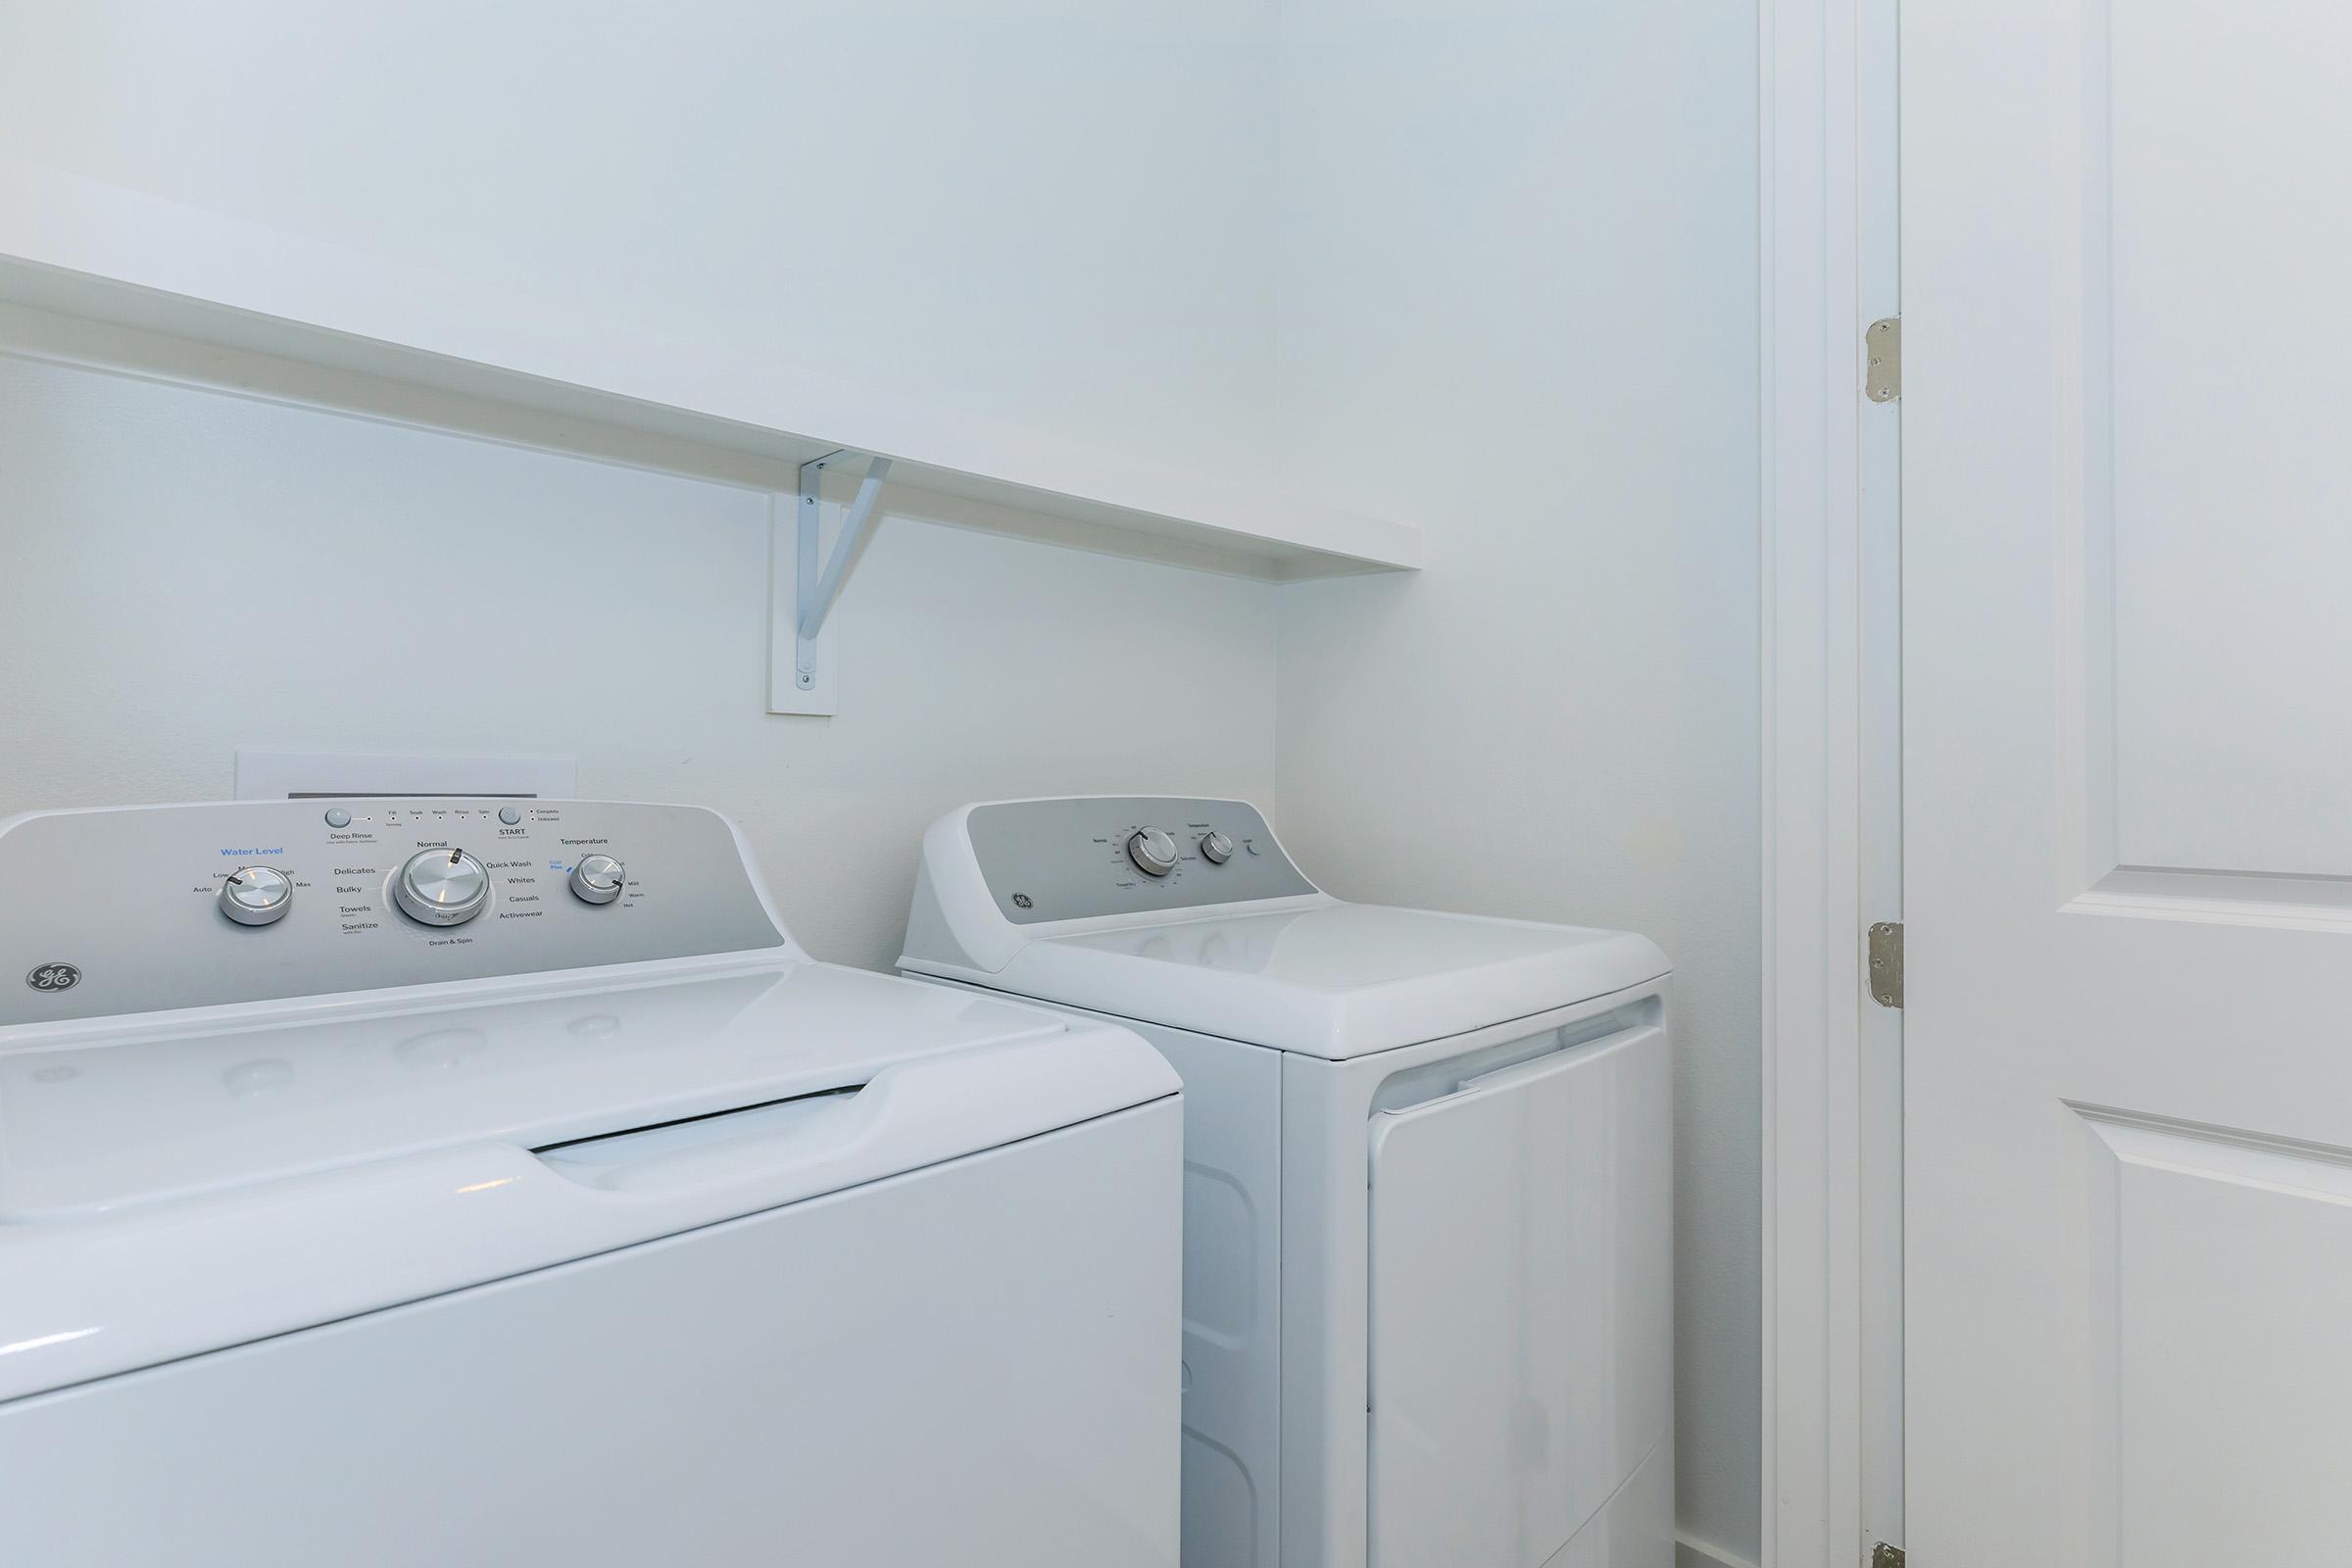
1565 1060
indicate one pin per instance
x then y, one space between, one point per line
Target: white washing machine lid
1331 980
169 1187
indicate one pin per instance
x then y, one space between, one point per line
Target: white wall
1054 212
183 572
1520 305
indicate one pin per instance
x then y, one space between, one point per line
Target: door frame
1832 1350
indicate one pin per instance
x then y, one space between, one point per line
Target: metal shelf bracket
806 686
819 590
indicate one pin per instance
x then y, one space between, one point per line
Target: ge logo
54 977
1020 901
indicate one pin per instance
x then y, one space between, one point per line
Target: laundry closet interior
1332 428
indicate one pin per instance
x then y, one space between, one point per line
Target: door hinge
1883 344
1887 964
1883 1555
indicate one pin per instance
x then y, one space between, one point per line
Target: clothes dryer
1428 1209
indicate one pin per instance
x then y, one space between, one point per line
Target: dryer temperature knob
1215 847
1153 852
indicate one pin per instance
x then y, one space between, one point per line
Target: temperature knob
1216 848
257 895
1153 852
441 886
598 878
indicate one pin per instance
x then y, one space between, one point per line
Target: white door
2127 245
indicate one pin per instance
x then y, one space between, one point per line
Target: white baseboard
1689 1553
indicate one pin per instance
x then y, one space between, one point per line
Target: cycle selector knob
1215 847
257 895
1153 852
441 886
598 878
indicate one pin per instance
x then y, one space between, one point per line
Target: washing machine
1428 1207
387 1182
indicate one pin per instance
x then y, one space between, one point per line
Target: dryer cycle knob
1215 847
598 878
1153 852
257 895
441 886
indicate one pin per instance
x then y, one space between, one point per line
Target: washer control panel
152 907
1084 857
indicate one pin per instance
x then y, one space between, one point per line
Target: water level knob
257 895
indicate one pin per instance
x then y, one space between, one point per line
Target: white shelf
98 275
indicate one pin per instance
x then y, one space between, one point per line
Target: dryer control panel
1085 857
153 907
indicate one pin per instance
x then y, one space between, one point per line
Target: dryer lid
1336 980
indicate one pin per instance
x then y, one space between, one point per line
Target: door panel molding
2219 898
2194 469
2201 1361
